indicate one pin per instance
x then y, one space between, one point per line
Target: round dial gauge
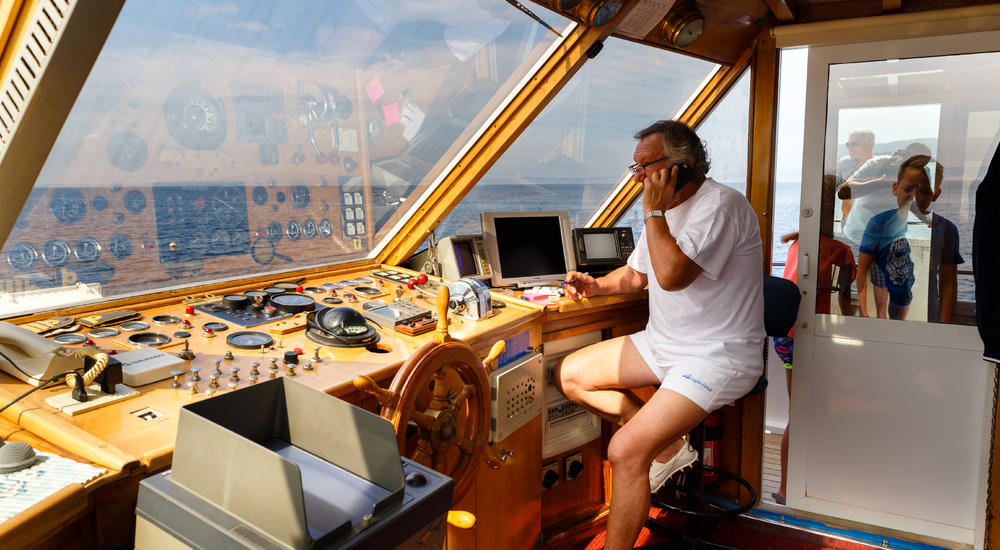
166 319
127 151
292 303
249 339
309 229
259 195
87 249
68 205
333 286
103 332
325 227
286 286
56 253
194 118
215 326
22 256
148 339
132 326
135 201
293 230
300 196
69 339
99 203
220 240
121 246
683 26
229 206
274 232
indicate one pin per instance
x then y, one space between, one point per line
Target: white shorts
710 384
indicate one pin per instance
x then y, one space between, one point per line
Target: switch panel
573 465
516 396
550 474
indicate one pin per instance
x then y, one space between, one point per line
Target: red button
189 310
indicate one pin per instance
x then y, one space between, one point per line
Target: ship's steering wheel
439 403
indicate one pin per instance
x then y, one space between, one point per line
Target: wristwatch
652 214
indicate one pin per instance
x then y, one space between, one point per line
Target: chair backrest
781 305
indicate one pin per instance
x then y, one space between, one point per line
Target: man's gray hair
864 134
680 143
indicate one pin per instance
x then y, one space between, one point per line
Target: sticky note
391 112
374 89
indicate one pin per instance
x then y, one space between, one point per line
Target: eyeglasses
637 169
853 143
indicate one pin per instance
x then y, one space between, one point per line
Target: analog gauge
103 332
69 339
300 196
99 203
325 227
148 339
135 201
239 240
683 26
287 286
56 253
309 229
166 319
293 230
259 195
22 256
194 118
121 246
87 249
127 151
229 205
68 205
118 218
133 326
349 165
215 326
274 232
220 240
375 129
332 286
280 197
249 339
292 303
198 243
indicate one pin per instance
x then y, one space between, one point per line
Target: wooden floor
772 466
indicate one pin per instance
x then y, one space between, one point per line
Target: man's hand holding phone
579 285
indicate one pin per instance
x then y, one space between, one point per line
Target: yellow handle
461 519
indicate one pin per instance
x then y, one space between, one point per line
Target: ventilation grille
44 29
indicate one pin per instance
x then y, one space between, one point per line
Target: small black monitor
528 248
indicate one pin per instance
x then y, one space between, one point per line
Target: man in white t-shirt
700 253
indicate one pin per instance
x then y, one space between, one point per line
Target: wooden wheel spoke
466 445
422 419
424 452
462 397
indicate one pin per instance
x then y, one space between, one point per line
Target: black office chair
689 494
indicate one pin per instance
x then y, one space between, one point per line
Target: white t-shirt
718 230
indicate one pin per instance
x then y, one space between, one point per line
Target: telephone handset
684 174
34 359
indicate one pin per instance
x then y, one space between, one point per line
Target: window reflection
577 150
221 139
906 141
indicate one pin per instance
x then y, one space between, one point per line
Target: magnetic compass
249 339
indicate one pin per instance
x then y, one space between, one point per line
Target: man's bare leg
599 377
881 301
664 419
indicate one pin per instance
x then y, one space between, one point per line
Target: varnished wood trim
763 130
783 10
555 72
889 6
13 13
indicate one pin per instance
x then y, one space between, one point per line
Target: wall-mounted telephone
463 256
600 250
30 357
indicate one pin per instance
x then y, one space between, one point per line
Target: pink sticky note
391 112
374 89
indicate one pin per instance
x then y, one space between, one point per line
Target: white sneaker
660 472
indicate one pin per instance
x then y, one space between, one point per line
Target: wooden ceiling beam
783 10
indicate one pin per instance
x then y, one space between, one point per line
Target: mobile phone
684 174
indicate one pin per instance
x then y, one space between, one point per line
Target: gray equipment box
279 465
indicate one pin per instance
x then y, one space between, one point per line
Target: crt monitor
528 248
463 256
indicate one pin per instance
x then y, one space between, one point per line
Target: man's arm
864 263
673 269
623 280
948 291
844 290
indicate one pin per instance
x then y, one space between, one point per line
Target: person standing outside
700 254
